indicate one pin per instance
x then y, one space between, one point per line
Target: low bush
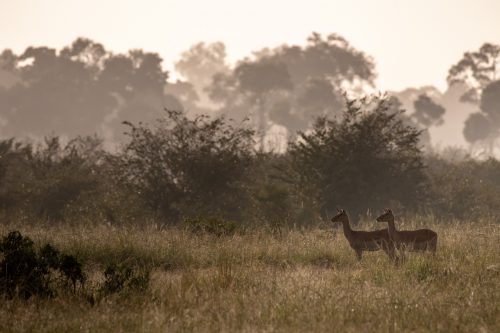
122 277
25 272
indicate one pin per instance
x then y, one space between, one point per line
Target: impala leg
387 249
394 255
359 254
402 253
433 245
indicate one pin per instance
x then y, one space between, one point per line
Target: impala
365 240
414 240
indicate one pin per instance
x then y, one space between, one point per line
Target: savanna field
193 171
265 279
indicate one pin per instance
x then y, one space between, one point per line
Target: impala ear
338 210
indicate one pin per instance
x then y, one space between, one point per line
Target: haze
412 43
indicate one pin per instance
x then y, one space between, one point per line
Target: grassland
258 280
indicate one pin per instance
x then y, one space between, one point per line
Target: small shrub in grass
72 269
210 225
49 256
122 277
24 272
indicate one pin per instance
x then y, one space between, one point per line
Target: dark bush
63 175
122 277
72 270
15 175
465 189
24 272
368 159
184 168
52 180
274 199
50 256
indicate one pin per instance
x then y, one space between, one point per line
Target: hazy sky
413 42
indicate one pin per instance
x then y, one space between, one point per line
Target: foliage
46 181
490 103
465 190
61 176
14 173
80 89
122 277
262 77
184 167
201 62
477 70
273 198
79 182
477 128
366 160
480 71
484 126
72 269
52 181
25 273
290 85
427 112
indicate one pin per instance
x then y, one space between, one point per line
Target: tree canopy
80 89
188 168
476 69
367 159
290 85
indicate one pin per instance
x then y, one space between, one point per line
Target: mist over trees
480 72
85 88
291 85
416 109
79 90
201 145
199 64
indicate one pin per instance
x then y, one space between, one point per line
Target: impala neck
347 227
392 226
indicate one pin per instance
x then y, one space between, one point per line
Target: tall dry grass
257 280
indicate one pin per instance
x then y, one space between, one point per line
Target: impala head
340 216
386 216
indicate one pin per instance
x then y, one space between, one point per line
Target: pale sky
414 43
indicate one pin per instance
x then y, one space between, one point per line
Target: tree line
85 88
183 169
